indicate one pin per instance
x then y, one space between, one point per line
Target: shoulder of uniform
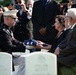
1 29
5 30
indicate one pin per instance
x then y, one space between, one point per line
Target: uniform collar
5 26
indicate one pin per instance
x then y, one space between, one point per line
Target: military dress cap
71 13
11 13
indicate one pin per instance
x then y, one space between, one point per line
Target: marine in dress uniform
9 44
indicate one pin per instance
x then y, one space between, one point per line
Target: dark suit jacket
21 31
44 17
61 44
67 54
7 43
58 40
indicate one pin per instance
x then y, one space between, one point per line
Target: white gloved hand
29 47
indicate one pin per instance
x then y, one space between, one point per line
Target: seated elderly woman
59 25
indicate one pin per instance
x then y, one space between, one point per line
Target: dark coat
58 40
44 17
21 31
8 43
67 54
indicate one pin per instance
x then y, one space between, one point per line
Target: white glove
29 47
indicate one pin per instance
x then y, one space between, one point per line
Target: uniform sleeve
6 43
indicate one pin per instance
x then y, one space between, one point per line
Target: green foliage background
8 1
5 2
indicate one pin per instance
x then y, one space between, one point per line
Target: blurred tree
4 2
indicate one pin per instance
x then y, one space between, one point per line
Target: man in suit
66 51
9 44
23 28
43 17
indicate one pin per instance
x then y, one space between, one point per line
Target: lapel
70 34
8 32
19 15
72 30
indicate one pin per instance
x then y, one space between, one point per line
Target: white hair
72 13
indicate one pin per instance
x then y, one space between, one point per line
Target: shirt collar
48 0
5 26
73 26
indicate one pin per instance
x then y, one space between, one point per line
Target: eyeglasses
13 18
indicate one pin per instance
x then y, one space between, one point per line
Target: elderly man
9 44
66 50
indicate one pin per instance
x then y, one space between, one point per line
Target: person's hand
28 13
43 31
24 7
42 45
57 51
39 45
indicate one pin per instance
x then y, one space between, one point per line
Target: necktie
70 31
21 12
44 2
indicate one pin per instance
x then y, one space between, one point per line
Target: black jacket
67 54
23 29
44 17
8 43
